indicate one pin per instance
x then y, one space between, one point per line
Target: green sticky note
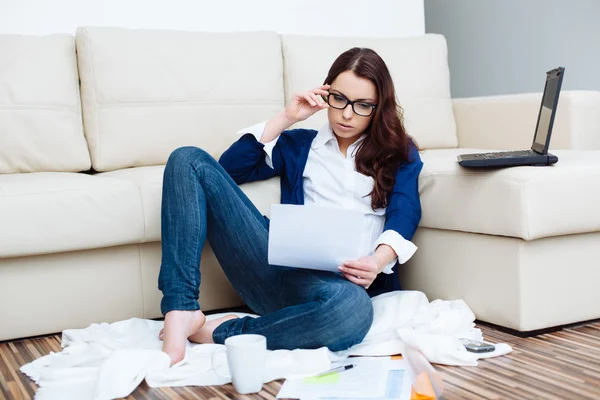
325 379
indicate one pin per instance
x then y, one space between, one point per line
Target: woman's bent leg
327 310
200 199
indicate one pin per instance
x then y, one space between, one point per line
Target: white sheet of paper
313 237
367 380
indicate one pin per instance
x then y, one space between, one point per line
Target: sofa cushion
49 212
145 92
419 68
40 114
522 202
149 182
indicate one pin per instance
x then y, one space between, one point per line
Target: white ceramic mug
247 359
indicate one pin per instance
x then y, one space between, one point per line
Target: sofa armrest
508 121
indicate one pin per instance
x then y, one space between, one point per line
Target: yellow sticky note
325 379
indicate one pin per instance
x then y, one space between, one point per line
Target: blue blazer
245 162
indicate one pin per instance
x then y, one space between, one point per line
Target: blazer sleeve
245 160
403 212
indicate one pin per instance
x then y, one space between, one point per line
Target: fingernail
340 268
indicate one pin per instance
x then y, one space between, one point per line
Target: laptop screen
546 116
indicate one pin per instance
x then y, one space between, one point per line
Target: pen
337 369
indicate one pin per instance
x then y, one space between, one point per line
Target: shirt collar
325 135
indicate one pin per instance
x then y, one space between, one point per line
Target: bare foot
204 334
179 325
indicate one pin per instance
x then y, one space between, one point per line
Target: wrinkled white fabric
408 318
107 361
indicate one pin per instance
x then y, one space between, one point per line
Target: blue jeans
298 308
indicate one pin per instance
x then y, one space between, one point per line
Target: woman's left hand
362 272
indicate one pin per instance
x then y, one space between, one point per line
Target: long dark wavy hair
386 145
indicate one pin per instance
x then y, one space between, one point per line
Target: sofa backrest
419 68
146 92
40 113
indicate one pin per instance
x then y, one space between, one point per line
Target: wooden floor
560 365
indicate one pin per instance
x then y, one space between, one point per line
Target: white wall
504 47
311 17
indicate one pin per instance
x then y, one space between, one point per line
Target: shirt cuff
257 130
404 248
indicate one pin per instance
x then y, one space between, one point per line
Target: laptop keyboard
507 154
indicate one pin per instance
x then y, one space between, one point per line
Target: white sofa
87 124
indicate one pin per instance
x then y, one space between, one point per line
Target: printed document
371 378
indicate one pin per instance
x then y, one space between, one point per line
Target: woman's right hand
302 106
305 104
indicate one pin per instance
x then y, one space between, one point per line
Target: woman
362 159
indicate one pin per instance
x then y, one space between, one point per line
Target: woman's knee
189 156
347 315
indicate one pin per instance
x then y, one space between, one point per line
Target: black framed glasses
339 102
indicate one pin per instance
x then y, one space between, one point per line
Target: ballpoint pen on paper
337 369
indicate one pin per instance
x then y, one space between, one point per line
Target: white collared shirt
330 179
